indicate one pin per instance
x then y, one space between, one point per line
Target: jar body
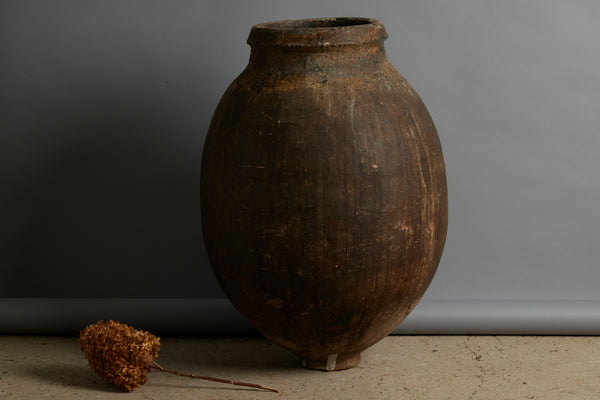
324 201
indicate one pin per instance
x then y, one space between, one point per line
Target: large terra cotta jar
323 190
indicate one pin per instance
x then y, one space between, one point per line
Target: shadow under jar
323 190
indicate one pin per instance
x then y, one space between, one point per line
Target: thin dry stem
210 378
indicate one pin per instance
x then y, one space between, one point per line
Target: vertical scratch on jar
352 112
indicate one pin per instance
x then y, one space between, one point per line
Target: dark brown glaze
323 190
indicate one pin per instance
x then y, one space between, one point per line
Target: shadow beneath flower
69 376
189 385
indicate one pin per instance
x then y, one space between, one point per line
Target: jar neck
317 60
317 45
317 32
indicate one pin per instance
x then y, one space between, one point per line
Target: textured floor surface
398 367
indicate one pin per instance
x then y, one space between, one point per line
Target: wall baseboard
503 317
51 316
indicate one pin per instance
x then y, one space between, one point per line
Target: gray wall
104 107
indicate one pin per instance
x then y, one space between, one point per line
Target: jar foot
334 362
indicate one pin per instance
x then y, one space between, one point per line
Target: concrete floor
398 367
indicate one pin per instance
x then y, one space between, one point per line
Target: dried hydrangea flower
123 356
118 353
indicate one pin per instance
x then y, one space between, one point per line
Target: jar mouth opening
317 32
317 23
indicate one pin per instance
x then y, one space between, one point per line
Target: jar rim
317 32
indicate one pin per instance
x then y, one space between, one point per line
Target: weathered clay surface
324 200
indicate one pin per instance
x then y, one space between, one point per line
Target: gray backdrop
104 107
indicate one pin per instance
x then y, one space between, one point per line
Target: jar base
334 362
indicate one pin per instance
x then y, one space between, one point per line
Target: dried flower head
120 354
123 356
